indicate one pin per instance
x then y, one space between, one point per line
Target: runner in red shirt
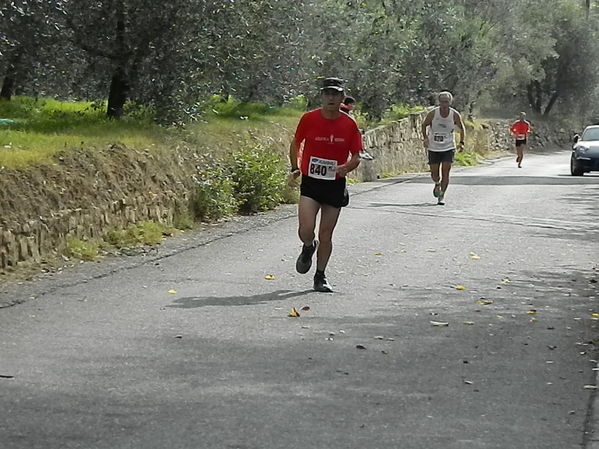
330 143
520 129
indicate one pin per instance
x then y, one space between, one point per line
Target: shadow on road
194 302
429 204
561 179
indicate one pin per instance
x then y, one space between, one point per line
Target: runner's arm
295 170
351 164
461 128
425 124
293 152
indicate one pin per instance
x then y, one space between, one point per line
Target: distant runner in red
331 144
520 130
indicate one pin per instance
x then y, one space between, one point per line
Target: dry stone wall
85 195
396 148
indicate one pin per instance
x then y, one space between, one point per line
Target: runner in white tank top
440 133
438 137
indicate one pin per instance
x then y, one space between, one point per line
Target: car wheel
575 167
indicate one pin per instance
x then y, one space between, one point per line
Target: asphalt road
191 346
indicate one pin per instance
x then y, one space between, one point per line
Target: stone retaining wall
42 207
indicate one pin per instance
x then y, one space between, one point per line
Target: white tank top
440 133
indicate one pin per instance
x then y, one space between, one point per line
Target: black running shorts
436 157
334 193
520 142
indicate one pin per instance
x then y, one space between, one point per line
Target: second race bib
438 137
322 168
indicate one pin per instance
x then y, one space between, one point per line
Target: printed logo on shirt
329 139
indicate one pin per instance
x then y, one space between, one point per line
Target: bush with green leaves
213 196
259 177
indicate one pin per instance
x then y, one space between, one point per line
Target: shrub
259 177
212 197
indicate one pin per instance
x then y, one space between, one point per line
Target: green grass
466 158
144 233
80 249
44 127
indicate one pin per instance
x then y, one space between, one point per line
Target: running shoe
304 261
441 198
366 156
437 189
321 284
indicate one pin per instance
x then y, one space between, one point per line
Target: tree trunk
119 92
551 103
531 96
7 88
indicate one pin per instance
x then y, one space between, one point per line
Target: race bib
439 138
322 168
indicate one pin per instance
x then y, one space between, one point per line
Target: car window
591 134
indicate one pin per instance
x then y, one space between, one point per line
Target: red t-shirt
328 139
520 129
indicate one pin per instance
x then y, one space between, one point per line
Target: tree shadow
560 179
194 302
429 204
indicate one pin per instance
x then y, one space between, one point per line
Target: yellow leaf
439 323
377 254
460 287
595 315
172 292
469 323
484 302
474 256
294 313
531 312
269 277
506 280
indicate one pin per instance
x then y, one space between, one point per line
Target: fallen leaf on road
532 320
306 308
269 277
532 311
379 337
484 302
590 387
474 256
385 352
439 323
468 382
469 323
172 292
377 254
595 315
360 347
506 280
294 313
460 287
551 346
6 376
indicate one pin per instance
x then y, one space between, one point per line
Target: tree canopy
538 55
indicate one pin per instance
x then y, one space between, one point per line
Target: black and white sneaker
441 198
304 261
321 284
